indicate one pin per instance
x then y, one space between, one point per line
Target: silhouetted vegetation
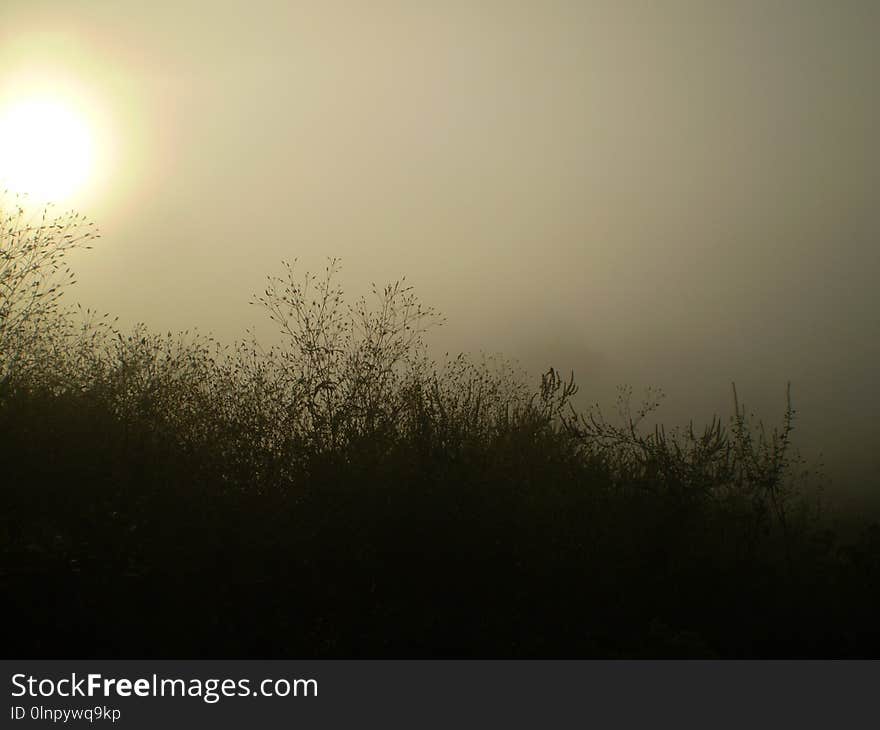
344 494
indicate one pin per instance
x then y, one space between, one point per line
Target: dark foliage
344 495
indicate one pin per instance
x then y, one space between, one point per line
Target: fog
678 194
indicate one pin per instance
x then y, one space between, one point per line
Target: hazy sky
677 194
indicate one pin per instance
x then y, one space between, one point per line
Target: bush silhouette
343 493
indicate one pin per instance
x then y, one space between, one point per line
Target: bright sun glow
46 149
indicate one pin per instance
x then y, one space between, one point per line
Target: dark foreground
343 494
118 541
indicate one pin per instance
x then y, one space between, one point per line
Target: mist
677 197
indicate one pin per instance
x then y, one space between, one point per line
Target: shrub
343 493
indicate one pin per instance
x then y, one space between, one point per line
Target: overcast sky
677 194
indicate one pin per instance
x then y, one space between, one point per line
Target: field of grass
344 494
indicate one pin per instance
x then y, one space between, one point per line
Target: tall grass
343 493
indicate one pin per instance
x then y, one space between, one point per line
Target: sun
46 149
